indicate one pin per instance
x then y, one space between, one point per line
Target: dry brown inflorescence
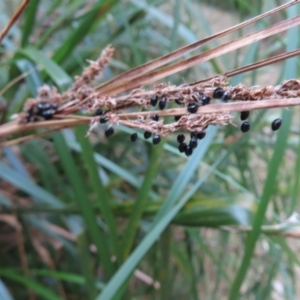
82 96
123 100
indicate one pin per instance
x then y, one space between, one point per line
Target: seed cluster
41 110
158 128
106 108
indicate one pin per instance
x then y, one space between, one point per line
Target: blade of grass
29 21
24 184
125 271
30 284
98 188
68 12
106 163
86 264
94 15
88 213
68 277
141 199
265 198
55 72
195 234
273 167
4 293
164 264
36 154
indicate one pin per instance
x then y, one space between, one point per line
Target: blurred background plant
108 219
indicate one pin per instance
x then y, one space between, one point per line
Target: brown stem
13 19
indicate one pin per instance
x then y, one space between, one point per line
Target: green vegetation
105 218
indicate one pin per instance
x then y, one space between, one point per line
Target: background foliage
104 219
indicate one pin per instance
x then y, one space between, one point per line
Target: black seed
180 138
54 106
98 112
30 110
40 108
133 137
245 115
156 139
103 119
192 108
154 100
194 134
147 134
177 118
162 103
47 114
201 135
188 150
204 100
47 106
225 97
28 117
182 147
109 132
245 126
178 101
218 93
276 124
155 117
193 142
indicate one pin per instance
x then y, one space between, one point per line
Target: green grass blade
265 198
53 70
195 235
164 263
273 167
87 265
94 15
81 197
29 22
64 17
106 163
98 188
68 277
24 184
30 284
123 273
141 199
4 293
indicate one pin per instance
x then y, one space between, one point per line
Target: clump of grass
124 100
